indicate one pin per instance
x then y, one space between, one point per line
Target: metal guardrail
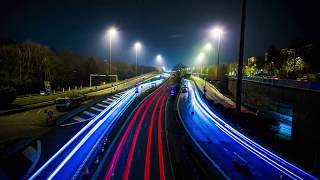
305 85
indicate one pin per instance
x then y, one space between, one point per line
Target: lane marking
247 143
116 155
96 109
64 147
197 144
89 113
101 105
167 140
160 147
78 118
149 141
134 141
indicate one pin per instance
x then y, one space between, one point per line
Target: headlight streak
128 96
115 158
229 131
76 136
85 139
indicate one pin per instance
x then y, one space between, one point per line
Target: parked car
68 103
44 93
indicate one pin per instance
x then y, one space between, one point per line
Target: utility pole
240 62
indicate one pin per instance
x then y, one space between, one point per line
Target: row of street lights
137 47
217 33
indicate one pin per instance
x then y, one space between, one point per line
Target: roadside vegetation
298 61
25 66
33 123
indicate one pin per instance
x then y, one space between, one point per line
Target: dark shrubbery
7 95
26 65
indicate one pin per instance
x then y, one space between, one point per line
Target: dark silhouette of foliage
25 66
7 95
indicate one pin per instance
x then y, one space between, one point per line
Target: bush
7 95
311 77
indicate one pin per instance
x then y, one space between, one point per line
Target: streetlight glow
159 59
110 33
137 47
200 58
208 46
217 32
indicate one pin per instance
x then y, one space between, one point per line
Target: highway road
232 154
70 161
138 152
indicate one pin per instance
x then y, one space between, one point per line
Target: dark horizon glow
173 29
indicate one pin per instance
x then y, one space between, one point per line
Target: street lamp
208 48
159 60
217 32
200 59
111 32
137 47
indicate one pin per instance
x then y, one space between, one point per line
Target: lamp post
111 32
159 60
208 48
137 47
217 32
200 59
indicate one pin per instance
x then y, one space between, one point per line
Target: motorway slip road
232 153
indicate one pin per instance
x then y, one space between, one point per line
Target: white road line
89 113
101 105
112 99
77 118
107 102
96 109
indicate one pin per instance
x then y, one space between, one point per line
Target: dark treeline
26 65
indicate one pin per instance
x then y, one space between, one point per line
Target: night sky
175 29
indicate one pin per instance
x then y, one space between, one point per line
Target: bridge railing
306 85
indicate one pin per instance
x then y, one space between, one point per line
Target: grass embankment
25 124
33 123
35 98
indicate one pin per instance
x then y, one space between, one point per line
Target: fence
305 85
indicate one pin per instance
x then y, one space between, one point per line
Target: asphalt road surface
71 160
139 152
234 155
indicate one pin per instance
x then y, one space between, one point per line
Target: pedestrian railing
298 84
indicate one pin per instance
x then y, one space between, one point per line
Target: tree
26 65
251 68
293 66
274 61
179 67
7 95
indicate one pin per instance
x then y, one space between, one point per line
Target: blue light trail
69 160
286 168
